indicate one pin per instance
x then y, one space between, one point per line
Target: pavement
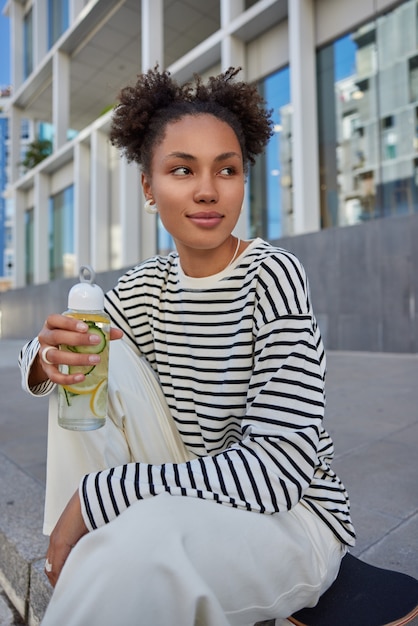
372 415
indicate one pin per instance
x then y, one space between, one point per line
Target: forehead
202 132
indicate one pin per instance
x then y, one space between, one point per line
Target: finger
115 333
48 569
44 354
61 329
56 558
54 564
65 367
65 322
62 337
51 355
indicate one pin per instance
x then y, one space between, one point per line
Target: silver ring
44 353
48 566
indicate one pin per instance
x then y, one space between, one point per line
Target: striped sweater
242 366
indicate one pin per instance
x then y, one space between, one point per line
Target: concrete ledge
22 544
40 593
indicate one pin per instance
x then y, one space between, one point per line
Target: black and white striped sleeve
26 358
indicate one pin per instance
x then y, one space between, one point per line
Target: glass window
368 120
24 129
58 19
270 180
413 78
28 43
8 264
46 131
61 234
29 247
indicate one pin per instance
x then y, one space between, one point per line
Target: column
81 204
41 228
40 31
15 120
305 171
19 264
230 9
99 207
130 211
152 35
60 97
232 48
233 55
16 44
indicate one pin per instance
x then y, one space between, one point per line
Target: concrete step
22 544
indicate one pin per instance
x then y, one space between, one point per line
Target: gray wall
364 283
23 311
363 279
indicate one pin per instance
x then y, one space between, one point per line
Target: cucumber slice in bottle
81 369
94 348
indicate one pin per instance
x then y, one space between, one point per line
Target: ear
146 186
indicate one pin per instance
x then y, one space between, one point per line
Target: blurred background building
341 77
6 249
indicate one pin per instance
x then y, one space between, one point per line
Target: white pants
172 560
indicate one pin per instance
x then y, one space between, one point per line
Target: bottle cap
86 295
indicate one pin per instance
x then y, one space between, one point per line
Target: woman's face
197 183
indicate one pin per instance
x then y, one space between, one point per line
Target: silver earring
150 207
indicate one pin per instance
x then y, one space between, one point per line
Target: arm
67 532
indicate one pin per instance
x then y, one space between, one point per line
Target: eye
227 171
182 170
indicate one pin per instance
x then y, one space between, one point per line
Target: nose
205 191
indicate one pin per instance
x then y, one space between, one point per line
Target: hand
61 329
67 532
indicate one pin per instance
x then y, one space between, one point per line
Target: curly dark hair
144 110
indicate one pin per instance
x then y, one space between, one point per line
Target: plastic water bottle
83 406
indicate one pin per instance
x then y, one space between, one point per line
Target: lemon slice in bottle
98 402
88 385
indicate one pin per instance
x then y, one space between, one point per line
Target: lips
206 219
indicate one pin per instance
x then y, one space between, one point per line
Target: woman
251 523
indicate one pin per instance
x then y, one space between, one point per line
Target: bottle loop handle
87 274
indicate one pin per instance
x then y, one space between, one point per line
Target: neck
235 253
208 262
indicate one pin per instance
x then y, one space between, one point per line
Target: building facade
3 180
6 231
341 78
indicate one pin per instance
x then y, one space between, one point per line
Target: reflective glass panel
368 120
61 234
270 180
58 19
